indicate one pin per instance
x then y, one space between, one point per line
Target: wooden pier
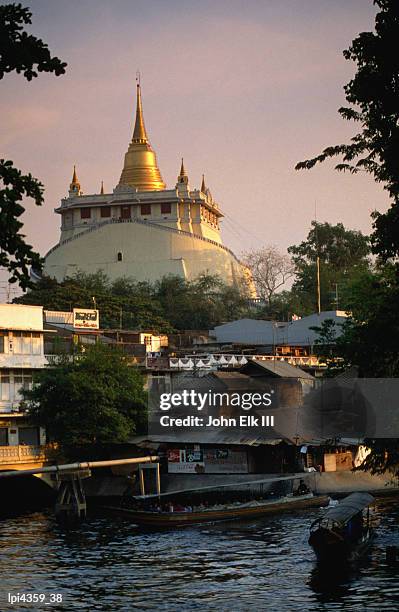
71 504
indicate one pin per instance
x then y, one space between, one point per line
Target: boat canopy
346 509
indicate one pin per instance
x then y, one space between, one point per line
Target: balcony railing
24 453
12 360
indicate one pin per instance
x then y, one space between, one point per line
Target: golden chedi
142 229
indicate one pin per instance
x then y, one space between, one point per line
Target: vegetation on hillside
170 304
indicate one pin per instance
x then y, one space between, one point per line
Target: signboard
208 461
225 461
181 461
84 318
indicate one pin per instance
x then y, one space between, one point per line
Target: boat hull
328 550
182 519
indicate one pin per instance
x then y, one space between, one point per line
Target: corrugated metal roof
217 437
261 332
282 369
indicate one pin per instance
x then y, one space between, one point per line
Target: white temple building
142 229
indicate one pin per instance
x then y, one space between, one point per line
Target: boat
220 512
344 531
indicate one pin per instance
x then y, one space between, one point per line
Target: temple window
145 209
166 208
85 213
105 211
125 212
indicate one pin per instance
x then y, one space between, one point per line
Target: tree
133 308
24 53
94 398
343 255
164 306
371 337
15 254
21 51
270 271
201 303
369 344
373 98
325 346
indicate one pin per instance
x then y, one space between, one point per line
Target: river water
107 564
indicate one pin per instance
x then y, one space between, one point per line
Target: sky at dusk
242 90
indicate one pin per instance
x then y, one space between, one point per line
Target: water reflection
108 564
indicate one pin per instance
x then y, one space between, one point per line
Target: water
266 564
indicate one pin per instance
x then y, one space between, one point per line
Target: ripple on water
266 565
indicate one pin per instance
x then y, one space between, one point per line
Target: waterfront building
71 335
142 229
21 353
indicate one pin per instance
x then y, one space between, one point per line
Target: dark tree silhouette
20 52
373 97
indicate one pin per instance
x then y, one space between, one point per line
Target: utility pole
317 262
336 296
318 284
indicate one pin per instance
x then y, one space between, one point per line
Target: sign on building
84 318
208 461
185 461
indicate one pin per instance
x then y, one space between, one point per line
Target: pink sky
242 90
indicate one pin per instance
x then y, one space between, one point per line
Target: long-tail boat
344 530
253 509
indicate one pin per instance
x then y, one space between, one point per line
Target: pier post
70 506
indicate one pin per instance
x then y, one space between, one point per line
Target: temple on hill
142 229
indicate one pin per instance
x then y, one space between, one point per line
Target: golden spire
140 169
102 188
74 187
182 179
139 133
203 186
182 169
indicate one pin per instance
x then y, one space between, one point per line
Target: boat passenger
179 508
302 489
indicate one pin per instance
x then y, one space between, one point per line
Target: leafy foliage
169 304
343 256
384 456
21 51
24 53
325 346
15 254
93 399
373 96
371 337
370 340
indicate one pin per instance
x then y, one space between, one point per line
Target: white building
21 353
142 229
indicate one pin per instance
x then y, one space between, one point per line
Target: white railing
211 362
12 360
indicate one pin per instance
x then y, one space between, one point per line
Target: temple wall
148 253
